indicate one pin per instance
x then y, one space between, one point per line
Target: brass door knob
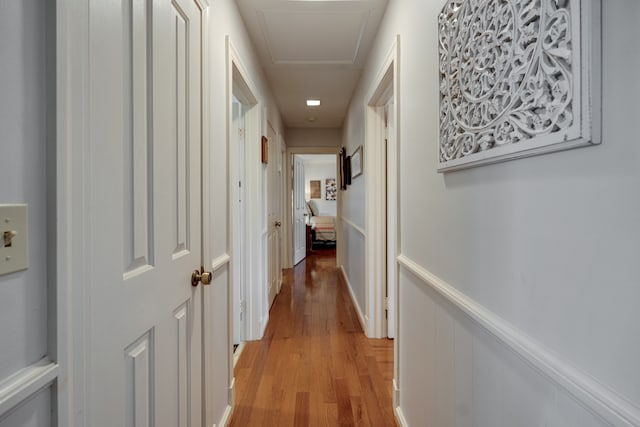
197 277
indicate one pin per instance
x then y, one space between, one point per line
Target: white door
239 315
274 218
144 329
299 223
392 217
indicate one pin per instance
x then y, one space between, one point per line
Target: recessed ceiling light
313 102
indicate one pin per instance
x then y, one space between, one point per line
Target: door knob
278 223
197 277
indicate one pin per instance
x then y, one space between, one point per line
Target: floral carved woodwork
515 79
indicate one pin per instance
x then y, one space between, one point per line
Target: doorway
305 164
382 205
247 209
238 131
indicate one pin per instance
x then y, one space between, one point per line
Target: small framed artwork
314 186
331 189
356 162
347 171
343 163
265 150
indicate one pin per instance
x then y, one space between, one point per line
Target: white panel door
144 354
299 223
274 217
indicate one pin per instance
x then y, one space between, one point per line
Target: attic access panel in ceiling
301 37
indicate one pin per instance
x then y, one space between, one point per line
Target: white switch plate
15 257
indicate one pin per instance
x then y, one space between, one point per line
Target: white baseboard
231 397
612 408
226 417
237 353
402 422
396 394
353 299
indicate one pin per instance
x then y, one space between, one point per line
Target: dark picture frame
265 150
343 174
347 171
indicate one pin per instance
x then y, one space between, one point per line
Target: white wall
23 131
548 245
321 171
225 20
314 137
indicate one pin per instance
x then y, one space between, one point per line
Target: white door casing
144 349
282 161
240 85
378 227
299 223
274 218
238 196
392 216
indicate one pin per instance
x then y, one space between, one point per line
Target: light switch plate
14 255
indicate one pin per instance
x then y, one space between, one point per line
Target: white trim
396 394
593 395
361 318
402 422
219 262
26 382
226 417
384 89
354 226
254 273
236 356
72 275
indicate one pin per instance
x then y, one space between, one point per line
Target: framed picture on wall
356 162
265 150
343 157
314 186
347 171
331 190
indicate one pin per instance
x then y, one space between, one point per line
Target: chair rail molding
594 396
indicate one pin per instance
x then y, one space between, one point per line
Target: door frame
283 204
69 297
385 89
288 212
239 82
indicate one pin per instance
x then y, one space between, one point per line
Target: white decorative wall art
517 78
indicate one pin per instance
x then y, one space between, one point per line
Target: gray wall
319 137
23 115
548 244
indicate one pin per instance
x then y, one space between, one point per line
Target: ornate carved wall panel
517 78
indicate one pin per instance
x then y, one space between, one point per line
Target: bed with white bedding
323 227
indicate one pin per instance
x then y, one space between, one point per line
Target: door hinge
386 303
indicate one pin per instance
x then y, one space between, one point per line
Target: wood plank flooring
314 366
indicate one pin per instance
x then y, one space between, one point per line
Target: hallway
314 365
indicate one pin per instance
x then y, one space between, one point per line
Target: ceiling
312 49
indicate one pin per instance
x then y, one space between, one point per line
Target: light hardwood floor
314 366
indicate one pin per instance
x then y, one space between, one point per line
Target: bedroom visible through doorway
316 187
